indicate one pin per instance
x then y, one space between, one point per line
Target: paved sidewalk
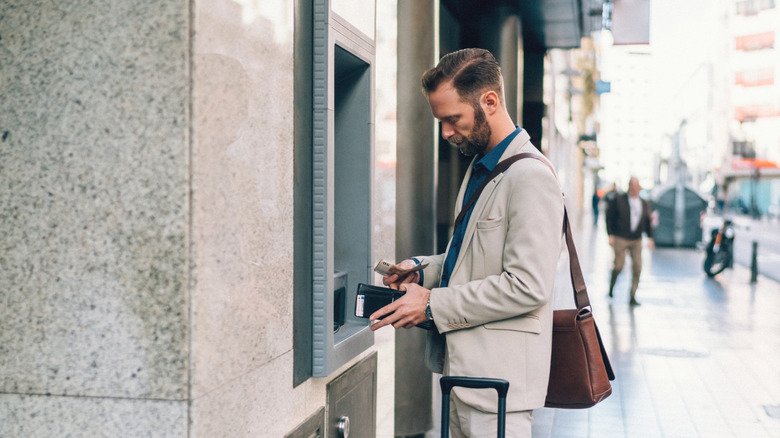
699 358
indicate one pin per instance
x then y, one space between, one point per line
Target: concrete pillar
415 201
533 94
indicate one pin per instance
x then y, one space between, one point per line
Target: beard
477 141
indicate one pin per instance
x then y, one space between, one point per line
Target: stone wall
146 233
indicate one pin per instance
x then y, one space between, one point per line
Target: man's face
462 124
633 187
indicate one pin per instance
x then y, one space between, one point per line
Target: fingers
391 281
390 319
413 277
397 320
384 312
394 281
406 312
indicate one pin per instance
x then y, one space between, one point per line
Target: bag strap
580 291
581 299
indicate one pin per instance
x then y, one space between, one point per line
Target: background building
749 173
629 137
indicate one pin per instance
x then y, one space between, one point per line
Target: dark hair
472 71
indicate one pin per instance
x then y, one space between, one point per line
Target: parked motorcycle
720 249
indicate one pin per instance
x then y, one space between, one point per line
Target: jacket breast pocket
488 247
528 324
490 223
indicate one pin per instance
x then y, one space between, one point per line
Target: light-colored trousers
634 249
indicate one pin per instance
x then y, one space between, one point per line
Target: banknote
385 268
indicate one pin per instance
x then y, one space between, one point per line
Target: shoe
609 294
634 302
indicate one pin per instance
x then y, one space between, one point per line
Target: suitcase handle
448 382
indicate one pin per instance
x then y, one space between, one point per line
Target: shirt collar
491 159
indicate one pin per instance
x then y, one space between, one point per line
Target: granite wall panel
242 188
94 184
55 416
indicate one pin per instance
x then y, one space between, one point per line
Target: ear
490 102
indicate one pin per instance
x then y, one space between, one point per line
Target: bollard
754 264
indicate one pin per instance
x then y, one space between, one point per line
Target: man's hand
405 312
394 281
611 240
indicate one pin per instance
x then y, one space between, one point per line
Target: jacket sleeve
432 273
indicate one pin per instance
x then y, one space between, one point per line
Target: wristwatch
428 312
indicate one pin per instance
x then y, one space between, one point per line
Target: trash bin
679 210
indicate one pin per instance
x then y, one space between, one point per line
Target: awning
752 163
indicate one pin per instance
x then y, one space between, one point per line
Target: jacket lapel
477 213
463 185
515 147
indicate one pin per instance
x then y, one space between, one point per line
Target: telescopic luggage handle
448 382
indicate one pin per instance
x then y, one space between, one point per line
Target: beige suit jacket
495 317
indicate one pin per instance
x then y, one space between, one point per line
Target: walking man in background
628 217
489 295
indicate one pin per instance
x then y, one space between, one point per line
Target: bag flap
565 320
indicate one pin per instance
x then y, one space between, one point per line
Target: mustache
456 140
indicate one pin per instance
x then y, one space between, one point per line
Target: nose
447 130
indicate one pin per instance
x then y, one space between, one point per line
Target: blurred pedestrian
595 200
628 218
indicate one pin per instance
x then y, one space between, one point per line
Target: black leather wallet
370 298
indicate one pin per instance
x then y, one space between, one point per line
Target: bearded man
629 217
489 295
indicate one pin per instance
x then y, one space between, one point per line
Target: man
489 294
628 217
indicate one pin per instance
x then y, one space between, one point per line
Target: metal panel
302 275
352 398
321 262
342 166
313 427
